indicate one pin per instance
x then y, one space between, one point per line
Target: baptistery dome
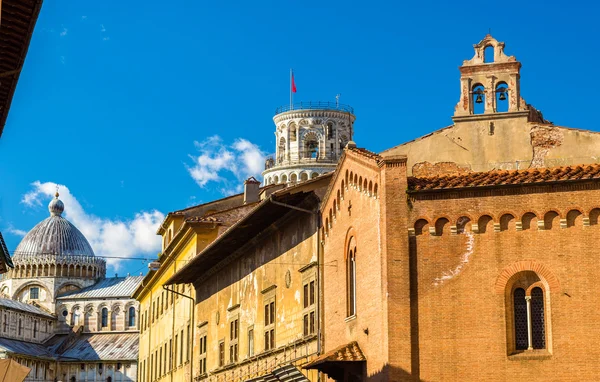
54 235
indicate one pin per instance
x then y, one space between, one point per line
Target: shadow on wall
288 232
390 373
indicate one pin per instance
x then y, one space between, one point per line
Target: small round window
65 313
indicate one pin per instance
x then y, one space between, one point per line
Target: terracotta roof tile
505 177
202 219
346 353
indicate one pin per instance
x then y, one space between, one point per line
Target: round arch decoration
37 283
527 265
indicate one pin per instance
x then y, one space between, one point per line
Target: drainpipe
192 326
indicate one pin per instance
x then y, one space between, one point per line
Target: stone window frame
269 317
233 323
309 278
221 350
37 288
251 338
234 334
202 348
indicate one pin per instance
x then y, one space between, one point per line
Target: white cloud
15 231
103 30
64 32
63 60
226 164
122 238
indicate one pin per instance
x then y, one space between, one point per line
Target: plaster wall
275 268
507 143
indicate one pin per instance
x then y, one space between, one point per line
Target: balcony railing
285 161
315 106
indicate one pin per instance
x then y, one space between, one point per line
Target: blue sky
118 101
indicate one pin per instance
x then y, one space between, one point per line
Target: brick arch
435 219
525 211
560 214
350 233
583 212
493 216
590 209
455 221
421 217
527 265
508 212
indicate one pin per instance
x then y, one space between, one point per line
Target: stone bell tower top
489 82
310 138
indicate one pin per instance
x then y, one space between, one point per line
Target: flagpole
291 93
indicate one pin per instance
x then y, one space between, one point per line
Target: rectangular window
160 364
250 342
181 348
156 362
202 349
233 340
308 313
170 354
34 293
221 353
166 370
151 367
187 345
175 352
270 325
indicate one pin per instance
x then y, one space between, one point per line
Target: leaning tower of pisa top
310 138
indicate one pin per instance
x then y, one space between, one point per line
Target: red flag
293 84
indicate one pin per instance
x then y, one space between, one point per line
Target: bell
479 99
502 96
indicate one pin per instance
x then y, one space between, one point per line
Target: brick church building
467 254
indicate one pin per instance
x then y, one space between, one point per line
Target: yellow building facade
257 287
166 313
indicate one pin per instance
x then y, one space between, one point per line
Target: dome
55 235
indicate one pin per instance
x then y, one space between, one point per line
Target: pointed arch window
351 278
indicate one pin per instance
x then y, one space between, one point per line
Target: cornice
309 113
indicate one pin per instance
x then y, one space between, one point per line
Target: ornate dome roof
54 235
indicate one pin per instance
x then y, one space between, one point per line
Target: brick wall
358 215
462 311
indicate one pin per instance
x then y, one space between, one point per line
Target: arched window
282 147
501 97
488 54
520 312
528 312
104 317
478 99
131 316
311 146
351 278
530 328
